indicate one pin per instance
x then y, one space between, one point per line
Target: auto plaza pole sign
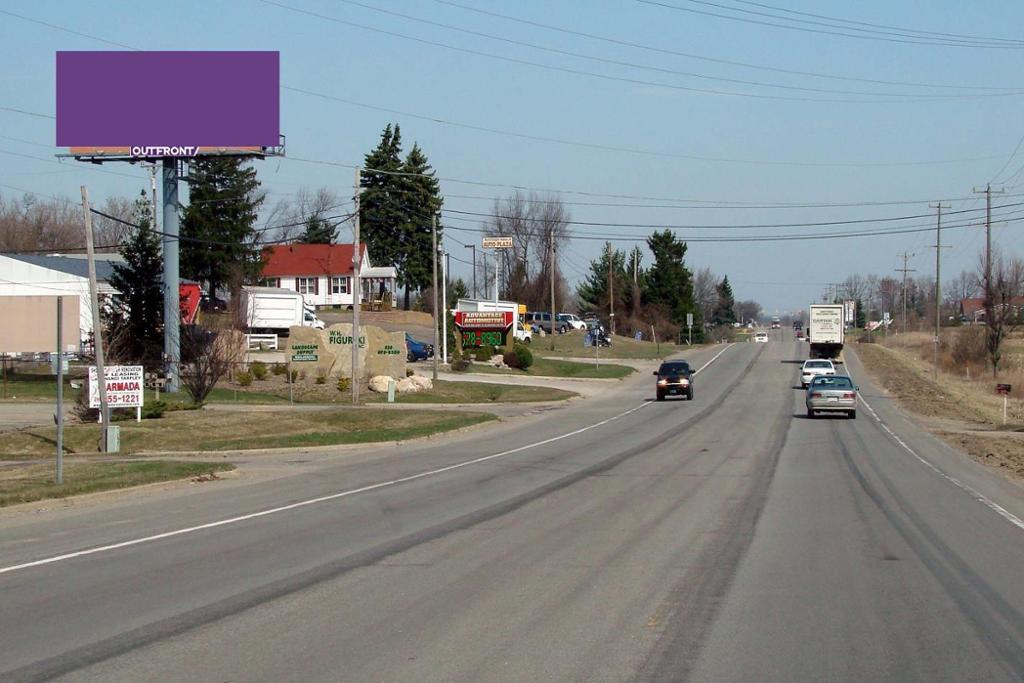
483 328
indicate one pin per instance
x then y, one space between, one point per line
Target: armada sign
163 151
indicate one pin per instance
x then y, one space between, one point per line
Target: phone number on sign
474 338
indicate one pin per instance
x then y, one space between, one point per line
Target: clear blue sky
867 131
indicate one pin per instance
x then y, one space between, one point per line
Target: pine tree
861 316
725 309
218 235
381 215
422 205
592 291
136 322
319 231
457 289
669 283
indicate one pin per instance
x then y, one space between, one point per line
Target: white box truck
270 310
825 330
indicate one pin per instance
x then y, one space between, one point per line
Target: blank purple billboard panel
151 99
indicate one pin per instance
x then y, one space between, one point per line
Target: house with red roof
322 273
974 309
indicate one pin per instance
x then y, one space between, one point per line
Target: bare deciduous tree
1003 302
705 294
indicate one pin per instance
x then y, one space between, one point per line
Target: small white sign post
125 385
689 329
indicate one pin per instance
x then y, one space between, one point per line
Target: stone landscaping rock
379 384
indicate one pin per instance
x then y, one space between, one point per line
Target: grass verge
36 482
192 431
970 418
549 367
482 393
571 345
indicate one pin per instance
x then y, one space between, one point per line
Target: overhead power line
823 31
582 72
705 58
963 36
655 69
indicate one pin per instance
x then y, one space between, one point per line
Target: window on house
307 285
339 285
271 282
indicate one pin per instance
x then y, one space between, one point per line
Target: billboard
30 323
125 384
155 104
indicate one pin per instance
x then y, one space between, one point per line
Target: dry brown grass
1002 451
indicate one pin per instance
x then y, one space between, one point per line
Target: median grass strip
550 367
197 431
478 393
571 345
24 484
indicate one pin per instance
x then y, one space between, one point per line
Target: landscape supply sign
484 328
497 243
305 352
144 104
850 312
124 386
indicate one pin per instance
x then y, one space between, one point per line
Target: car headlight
662 382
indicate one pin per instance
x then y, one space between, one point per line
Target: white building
322 273
37 275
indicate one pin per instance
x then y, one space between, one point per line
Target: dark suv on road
675 377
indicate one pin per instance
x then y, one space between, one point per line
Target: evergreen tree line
660 295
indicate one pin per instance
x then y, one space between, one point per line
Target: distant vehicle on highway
761 337
813 368
776 323
832 394
799 335
675 377
417 350
798 324
825 330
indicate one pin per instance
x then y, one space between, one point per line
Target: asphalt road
617 538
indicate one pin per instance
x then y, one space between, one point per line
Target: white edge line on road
992 505
323 499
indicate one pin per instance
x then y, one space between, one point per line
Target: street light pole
473 247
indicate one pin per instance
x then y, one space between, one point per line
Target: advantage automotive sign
124 386
484 320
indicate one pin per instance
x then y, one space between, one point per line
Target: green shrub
461 365
483 354
153 410
409 372
344 384
243 378
321 377
294 375
278 369
258 370
524 356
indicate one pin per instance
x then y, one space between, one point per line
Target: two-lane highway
728 538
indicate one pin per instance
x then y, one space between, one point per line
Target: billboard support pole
60 390
97 327
357 288
172 314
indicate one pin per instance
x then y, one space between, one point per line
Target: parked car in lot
675 377
522 333
539 320
813 368
417 350
761 337
832 394
570 322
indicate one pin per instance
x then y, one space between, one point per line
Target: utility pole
611 293
906 257
938 284
437 341
97 329
172 249
551 267
152 187
356 291
444 307
988 247
473 247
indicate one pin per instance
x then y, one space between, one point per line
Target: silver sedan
832 394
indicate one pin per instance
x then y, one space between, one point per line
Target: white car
522 333
570 322
815 368
761 337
